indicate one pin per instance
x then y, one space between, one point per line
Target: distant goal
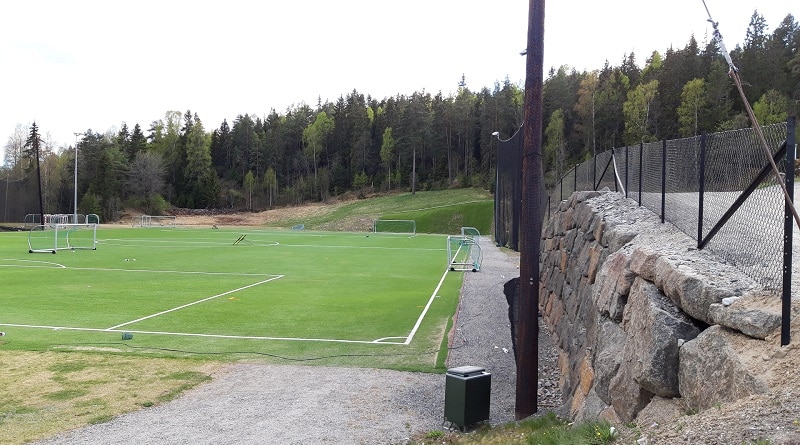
398 226
153 221
51 238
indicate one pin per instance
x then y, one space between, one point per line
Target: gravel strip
288 404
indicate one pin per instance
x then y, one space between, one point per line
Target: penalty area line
190 334
112 328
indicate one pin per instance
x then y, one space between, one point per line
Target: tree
146 175
271 185
586 108
15 147
387 152
554 147
771 108
33 144
637 113
199 175
137 143
314 138
693 100
249 184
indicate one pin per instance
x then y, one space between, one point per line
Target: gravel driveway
288 404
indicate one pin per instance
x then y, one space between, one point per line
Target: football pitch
358 299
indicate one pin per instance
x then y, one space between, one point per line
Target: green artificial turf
321 297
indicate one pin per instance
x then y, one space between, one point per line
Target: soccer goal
51 238
403 226
153 221
463 253
471 232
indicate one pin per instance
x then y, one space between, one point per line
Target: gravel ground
285 404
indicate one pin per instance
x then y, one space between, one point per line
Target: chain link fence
719 189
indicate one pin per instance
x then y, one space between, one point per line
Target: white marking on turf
425 311
37 263
189 334
193 303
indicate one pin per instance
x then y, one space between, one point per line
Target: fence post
663 178
575 179
627 155
702 187
641 157
788 227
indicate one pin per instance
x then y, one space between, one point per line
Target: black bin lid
466 371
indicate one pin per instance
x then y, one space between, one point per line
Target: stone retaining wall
637 312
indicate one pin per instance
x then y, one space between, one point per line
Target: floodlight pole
75 203
531 219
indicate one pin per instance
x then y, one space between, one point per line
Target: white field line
36 263
425 311
189 334
194 303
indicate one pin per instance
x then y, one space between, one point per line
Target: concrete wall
641 317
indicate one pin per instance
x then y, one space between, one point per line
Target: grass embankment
443 212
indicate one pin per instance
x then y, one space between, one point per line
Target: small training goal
153 221
399 226
463 253
50 238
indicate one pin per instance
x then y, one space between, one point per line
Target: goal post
463 253
399 226
50 238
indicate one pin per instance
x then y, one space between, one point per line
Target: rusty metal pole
533 195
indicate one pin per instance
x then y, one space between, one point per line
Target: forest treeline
409 142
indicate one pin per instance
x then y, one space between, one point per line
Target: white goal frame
153 221
395 226
463 253
50 238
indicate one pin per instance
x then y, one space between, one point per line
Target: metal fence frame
701 185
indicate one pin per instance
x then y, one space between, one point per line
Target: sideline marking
425 311
194 302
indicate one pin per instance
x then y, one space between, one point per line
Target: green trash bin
466 396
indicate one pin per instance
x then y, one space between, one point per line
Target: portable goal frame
153 221
50 238
463 253
395 226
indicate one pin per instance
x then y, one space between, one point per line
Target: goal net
153 221
51 238
463 253
404 226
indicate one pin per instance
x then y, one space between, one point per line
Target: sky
76 65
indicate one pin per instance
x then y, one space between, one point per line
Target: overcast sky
79 64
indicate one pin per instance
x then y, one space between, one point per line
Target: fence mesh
508 192
719 189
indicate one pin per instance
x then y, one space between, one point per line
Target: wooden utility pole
531 220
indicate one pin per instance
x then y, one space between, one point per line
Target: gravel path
286 404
